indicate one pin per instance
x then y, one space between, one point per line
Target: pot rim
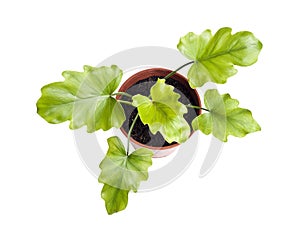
148 73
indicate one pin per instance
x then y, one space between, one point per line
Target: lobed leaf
216 55
121 173
84 98
163 112
225 117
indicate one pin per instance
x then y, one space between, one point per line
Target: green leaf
193 46
115 199
164 113
122 171
216 55
84 98
225 117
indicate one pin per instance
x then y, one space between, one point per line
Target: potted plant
141 135
157 109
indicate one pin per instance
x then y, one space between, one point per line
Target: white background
45 188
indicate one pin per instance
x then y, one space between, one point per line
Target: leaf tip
161 80
259 127
259 44
87 68
66 74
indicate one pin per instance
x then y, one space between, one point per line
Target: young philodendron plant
88 99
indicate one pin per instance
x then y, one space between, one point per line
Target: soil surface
141 132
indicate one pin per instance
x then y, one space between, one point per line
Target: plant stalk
126 102
196 107
122 93
173 72
129 132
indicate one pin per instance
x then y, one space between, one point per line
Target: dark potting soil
141 132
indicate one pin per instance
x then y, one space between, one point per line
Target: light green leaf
122 171
164 113
115 199
193 46
84 98
225 117
215 56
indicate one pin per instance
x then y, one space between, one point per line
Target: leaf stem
122 93
196 107
126 102
176 70
129 132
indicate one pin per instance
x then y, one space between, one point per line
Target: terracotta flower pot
161 72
